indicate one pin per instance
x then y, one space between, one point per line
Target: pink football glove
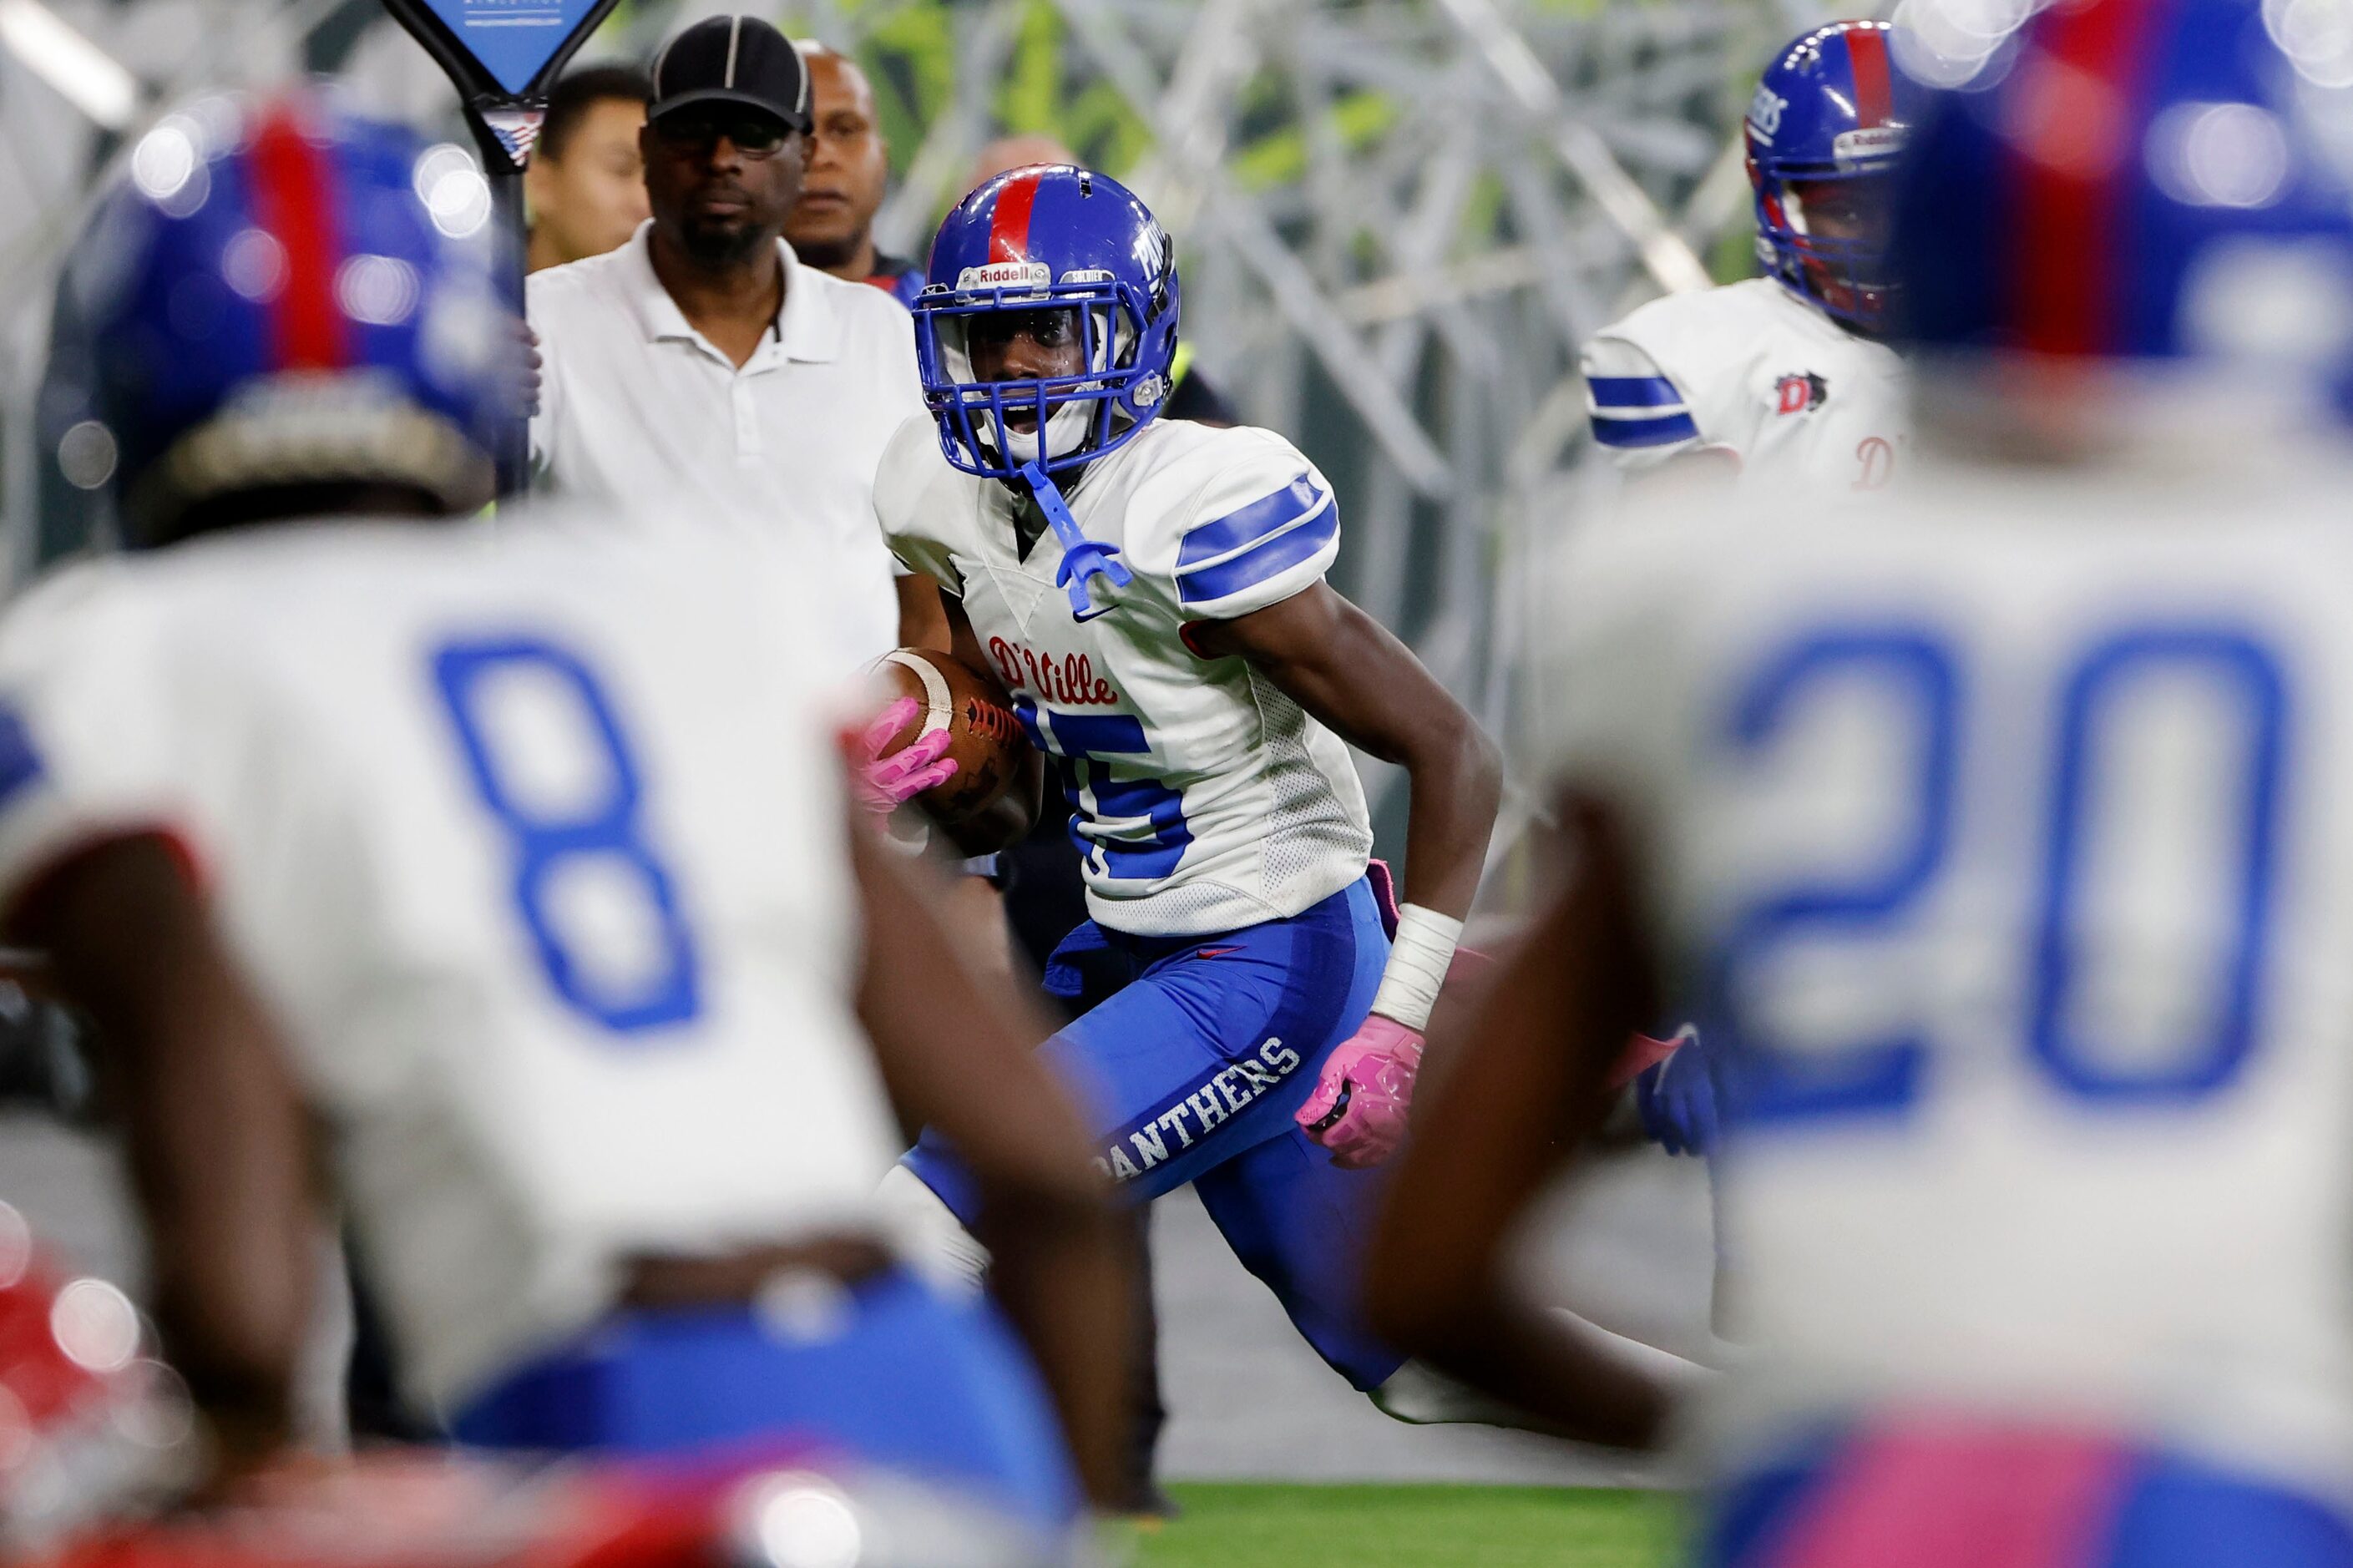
1358 1108
884 783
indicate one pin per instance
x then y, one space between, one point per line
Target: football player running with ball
1151 592
1781 377
1999 842
504 873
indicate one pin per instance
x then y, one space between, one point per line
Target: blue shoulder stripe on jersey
20 765
1633 392
1275 556
1249 525
1656 431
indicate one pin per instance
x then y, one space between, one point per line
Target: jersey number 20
524 710
2074 833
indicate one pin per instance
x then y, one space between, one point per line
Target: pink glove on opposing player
1358 1108
884 783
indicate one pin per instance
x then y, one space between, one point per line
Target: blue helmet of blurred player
2196 218
1823 132
1046 240
282 301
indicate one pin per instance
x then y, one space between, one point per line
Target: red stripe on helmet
293 201
2074 122
1008 221
1874 101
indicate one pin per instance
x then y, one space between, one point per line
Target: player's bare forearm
923 618
1347 670
218 1138
1527 1087
957 1051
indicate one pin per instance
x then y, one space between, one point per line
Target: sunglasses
751 134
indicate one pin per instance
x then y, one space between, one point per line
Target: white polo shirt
641 412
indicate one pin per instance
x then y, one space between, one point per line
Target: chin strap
1082 557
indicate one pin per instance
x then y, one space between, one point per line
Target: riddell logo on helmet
1867 145
1007 275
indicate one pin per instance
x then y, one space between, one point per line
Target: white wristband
1418 960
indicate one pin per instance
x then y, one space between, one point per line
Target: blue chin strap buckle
1082 557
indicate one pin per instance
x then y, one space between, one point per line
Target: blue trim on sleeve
20 765
1248 524
1633 392
1255 565
1656 431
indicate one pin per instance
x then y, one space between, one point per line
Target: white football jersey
530 835
1749 370
2006 854
1204 798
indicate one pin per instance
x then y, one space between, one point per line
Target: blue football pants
1190 1062
900 1376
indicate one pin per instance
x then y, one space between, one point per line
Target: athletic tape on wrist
1418 960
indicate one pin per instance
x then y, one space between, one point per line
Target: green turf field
1255 1526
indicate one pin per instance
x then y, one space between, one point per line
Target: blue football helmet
282 297
1049 237
2145 183
1823 132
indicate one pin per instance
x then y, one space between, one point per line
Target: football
986 739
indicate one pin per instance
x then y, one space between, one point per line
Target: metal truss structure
1397 218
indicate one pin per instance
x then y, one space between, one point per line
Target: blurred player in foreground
2003 857
502 873
1781 377
1151 592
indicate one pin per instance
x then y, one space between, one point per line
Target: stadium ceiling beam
1216 57
45 239
983 44
77 70
1328 335
1665 256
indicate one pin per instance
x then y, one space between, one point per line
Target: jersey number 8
599 905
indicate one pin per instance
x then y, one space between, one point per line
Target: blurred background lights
2277 302
2316 35
86 455
167 162
165 1415
381 290
1947 43
452 189
96 1325
2067 119
2219 154
254 263
804 1522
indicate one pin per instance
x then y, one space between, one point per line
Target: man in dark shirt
833 229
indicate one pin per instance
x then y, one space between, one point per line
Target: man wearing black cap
702 370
